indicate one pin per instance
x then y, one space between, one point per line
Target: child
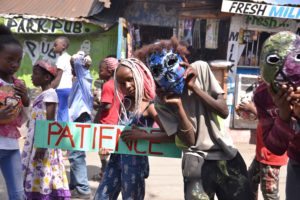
265 167
80 109
10 160
135 89
63 80
280 69
108 111
43 169
81 98
189 106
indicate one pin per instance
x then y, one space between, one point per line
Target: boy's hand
282 100
248 106
172 99
294 98
169 97
296 110
190 75
6 112
21 91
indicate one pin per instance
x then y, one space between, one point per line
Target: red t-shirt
267 113
107 96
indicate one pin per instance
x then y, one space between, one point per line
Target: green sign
49 26
91 137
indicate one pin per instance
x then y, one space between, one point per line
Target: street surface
165 180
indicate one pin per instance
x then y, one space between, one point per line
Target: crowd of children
157 86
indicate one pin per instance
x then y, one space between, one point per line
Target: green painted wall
37 36
37 46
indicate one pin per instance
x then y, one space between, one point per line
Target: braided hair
144 84
171 44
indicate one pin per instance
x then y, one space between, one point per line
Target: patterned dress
44 179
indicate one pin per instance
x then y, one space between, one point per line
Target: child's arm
107 98
185 130
276 131
216 104
6 112
248 106
104 107
56 81
21 91
136 133
50 110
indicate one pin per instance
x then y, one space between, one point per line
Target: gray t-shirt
211 141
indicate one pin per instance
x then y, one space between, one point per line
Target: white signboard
276 9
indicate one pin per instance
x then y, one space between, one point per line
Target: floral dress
44 179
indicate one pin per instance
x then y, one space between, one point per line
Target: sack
191 165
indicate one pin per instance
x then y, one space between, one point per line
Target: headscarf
47 66
111 63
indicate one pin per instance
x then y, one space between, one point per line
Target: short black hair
65 39
6 37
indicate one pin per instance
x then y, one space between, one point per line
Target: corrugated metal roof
62 9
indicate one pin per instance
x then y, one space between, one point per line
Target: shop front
252 24
37 36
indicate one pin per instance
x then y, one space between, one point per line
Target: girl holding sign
44 170
135 89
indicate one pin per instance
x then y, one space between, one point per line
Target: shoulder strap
151 102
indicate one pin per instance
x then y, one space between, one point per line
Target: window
252 41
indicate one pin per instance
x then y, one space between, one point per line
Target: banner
91 137
280 9
48 26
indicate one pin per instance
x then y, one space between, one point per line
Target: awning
61 9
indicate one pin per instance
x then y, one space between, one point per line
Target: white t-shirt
8 143
63 63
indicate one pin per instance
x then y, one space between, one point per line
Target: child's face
59 46
38 76
104 74
125 80
10 59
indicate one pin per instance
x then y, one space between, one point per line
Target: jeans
63 109
11 167
292 189
78 170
